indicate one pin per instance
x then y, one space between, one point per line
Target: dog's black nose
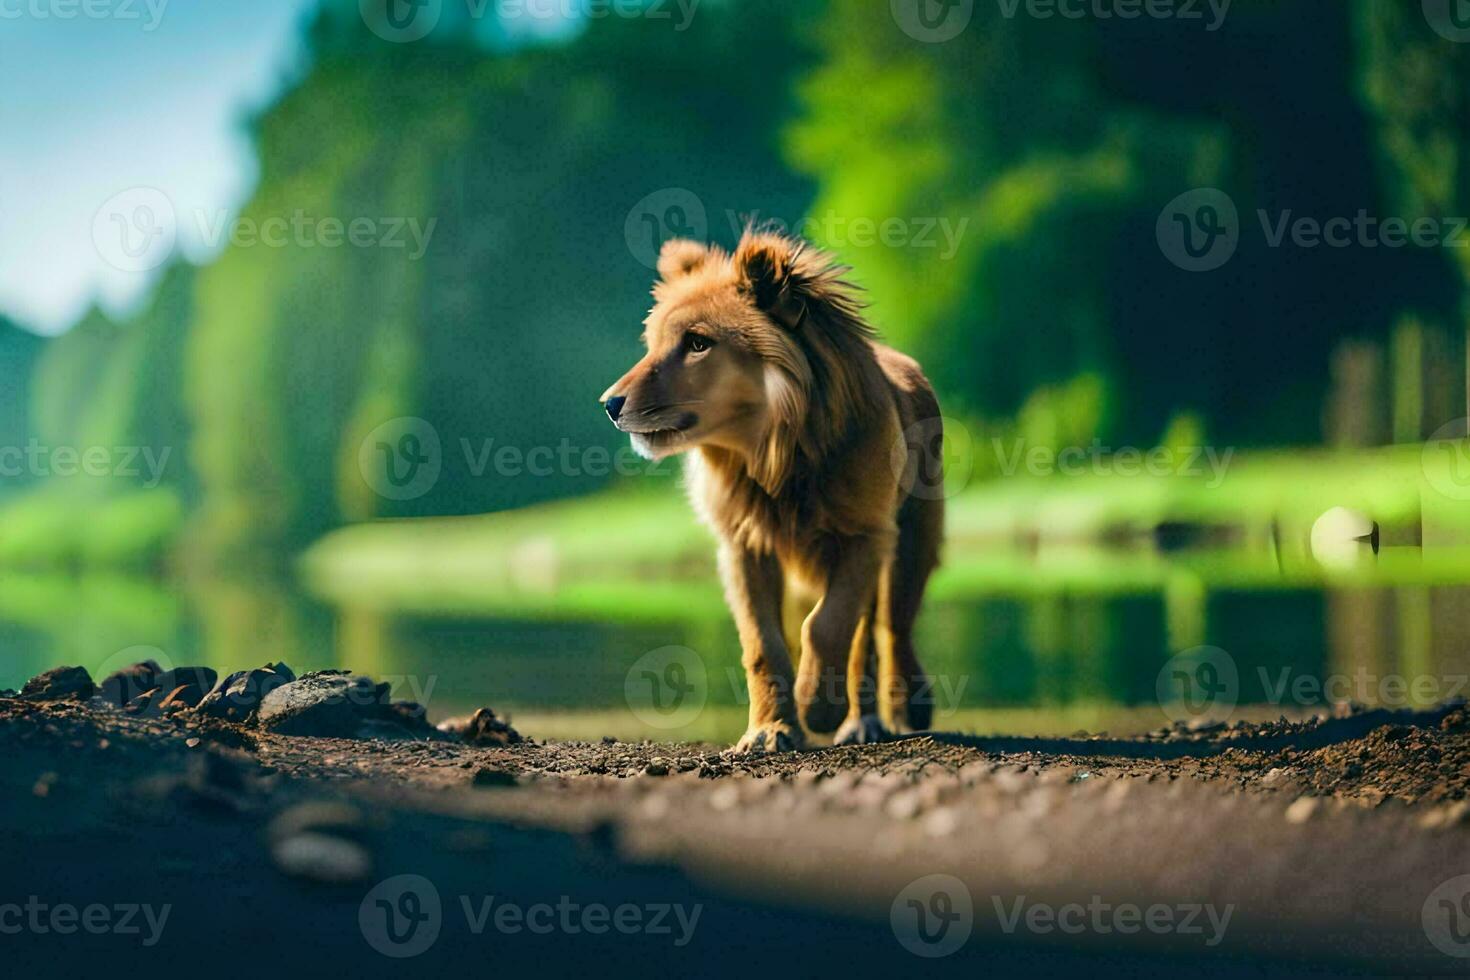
614 407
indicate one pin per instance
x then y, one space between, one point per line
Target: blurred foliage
1037 153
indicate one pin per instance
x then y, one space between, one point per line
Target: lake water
1020 650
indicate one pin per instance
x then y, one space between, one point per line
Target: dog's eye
698 343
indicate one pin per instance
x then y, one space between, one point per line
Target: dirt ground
1329 847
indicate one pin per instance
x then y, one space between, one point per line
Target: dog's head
737 347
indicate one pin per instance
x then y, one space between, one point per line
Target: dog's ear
768 270
680 256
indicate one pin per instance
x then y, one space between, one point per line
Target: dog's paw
863 730
773 736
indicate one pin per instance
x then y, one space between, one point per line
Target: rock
203 678
481 728
183 696
145 703
488 778
121 686
317 816
409 715
325 703
59 684
323 858
238 696
1301 810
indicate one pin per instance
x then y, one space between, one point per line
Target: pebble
319 857
1301 810
724 797
941 822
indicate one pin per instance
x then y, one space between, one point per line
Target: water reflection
1032 656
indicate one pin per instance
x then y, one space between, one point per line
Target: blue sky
93 107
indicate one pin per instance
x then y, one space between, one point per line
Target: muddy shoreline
1322 846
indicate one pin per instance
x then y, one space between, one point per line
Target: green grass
638 555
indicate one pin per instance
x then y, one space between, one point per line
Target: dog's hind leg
863 723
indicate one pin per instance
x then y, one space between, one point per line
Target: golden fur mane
822 378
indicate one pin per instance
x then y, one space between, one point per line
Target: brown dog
818 452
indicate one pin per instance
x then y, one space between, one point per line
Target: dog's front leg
753 587
828 632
